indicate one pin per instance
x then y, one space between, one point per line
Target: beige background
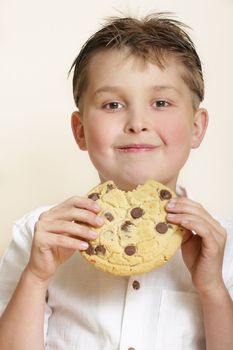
39 161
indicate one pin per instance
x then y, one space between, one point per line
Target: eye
114 105
161 104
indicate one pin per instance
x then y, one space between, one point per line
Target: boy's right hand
61 231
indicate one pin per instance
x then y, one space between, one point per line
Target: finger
187 206
56 240
73 202
83 216
87 217
66 228
82 202
73 214
198 226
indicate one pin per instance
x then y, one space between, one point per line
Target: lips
136 147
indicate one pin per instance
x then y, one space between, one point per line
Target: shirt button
136 285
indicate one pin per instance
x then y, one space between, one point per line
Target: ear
78 130
200 123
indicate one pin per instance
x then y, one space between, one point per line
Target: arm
22 323
59 232
203 251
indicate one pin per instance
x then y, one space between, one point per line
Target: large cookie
135 237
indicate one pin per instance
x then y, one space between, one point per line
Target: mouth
135 148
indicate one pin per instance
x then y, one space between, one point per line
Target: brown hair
152 38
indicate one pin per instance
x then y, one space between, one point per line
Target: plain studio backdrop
40 163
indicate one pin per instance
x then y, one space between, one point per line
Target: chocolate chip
90 250
161 227
110 187
126 225
136 285
130 250
137 212
100 249
94 196
165 194
109 216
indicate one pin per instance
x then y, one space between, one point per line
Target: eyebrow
107 89
164 87
157 88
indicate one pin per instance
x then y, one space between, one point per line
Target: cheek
99 143
100 131
178 141
177 133
98 138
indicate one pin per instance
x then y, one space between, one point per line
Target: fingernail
93 234
96 206
99 220
84 245
170 204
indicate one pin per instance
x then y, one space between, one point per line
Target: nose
136 122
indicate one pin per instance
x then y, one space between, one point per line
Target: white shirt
88 309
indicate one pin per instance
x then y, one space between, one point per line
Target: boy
137 86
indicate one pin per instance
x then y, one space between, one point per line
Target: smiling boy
135 116
138 86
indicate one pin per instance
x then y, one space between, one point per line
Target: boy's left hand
203 243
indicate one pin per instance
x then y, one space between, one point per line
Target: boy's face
137 121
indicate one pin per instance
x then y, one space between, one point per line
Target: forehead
119 67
